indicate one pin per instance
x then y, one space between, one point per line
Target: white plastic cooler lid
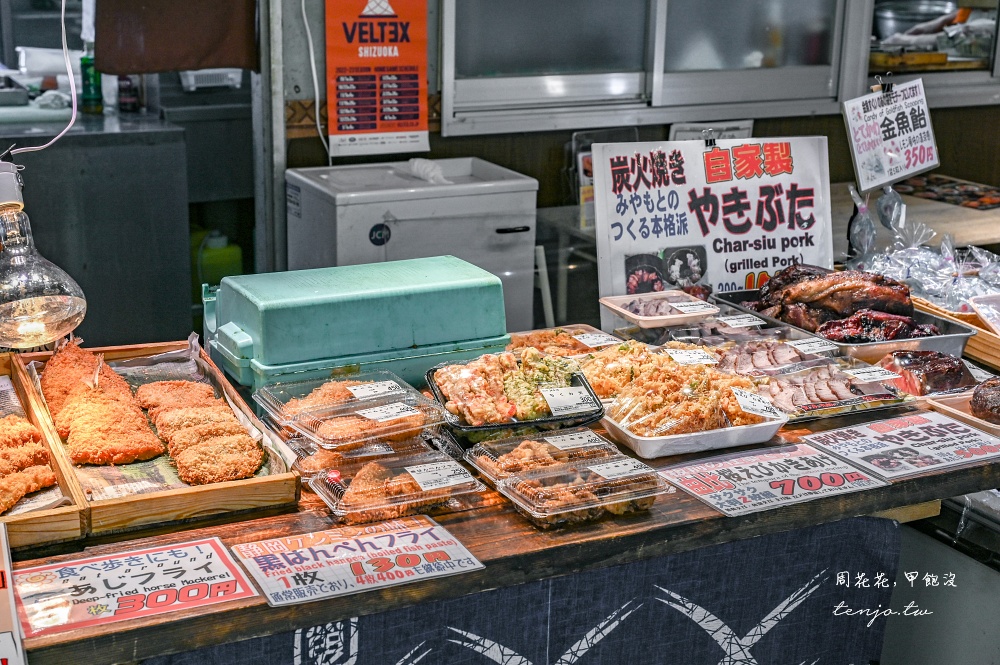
393 181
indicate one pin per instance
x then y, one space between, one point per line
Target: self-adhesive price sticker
574 440
596 340
812 345
439 474
566 401
622 468
741 320
388 412
753 403
691 357
374 389
693 307
871 374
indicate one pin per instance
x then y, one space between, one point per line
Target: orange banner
376 64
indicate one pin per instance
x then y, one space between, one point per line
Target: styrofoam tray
650 447
616 304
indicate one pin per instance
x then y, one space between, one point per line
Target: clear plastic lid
392 487
583 492
394 419
571 340
290 401
313 459
500 459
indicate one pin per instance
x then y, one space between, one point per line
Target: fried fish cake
219 459
70 366
168 422
17 485
182 439
110 431
16 431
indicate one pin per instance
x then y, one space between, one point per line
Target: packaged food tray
684 308
651 447
497 460
568 341
289 401
393 487
584 491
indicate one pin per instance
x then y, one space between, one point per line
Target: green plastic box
401 316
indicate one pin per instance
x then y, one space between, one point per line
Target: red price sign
815 483
918 156
186 595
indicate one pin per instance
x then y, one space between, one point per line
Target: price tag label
436 475
596 340
388 412
374 389
691 357
869 374
812 345
978 374
699 307
753 403
565 401
622 468
574 440
741 321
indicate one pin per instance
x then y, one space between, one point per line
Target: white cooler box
348 215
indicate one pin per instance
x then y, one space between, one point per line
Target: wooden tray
983 347
179 504
957 407
54 525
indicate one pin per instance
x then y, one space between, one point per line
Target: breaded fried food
219 459
183 439
164 396
343 429
331 392
376 494
169 422
111 431
319 461
16 486
16 431
17 459
80 400
68 367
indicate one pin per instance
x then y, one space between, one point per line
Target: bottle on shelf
92 99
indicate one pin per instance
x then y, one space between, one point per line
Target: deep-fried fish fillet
80 400
16 431
110 431
15 486
219 459
376 494
67 368
331 392
168 422
350 431
182 439
164 396
17 459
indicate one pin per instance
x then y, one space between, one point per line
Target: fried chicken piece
17 459
321 460
169 422
163 396
110 431
16 431
68 367
80 400
219 459
331 392
346 430
16 486
183 439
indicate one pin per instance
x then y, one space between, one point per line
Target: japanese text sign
141 583
741 483
376 76
679 214
910 444
890 135
347 560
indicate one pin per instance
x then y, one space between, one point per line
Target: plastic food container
314 460
290 401
583 492
988 309
393 487
958 407
952 339
569 341
390 419
650 447
575 405
928 373
676 308
497 460
868 389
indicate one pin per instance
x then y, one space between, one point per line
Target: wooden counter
513 551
